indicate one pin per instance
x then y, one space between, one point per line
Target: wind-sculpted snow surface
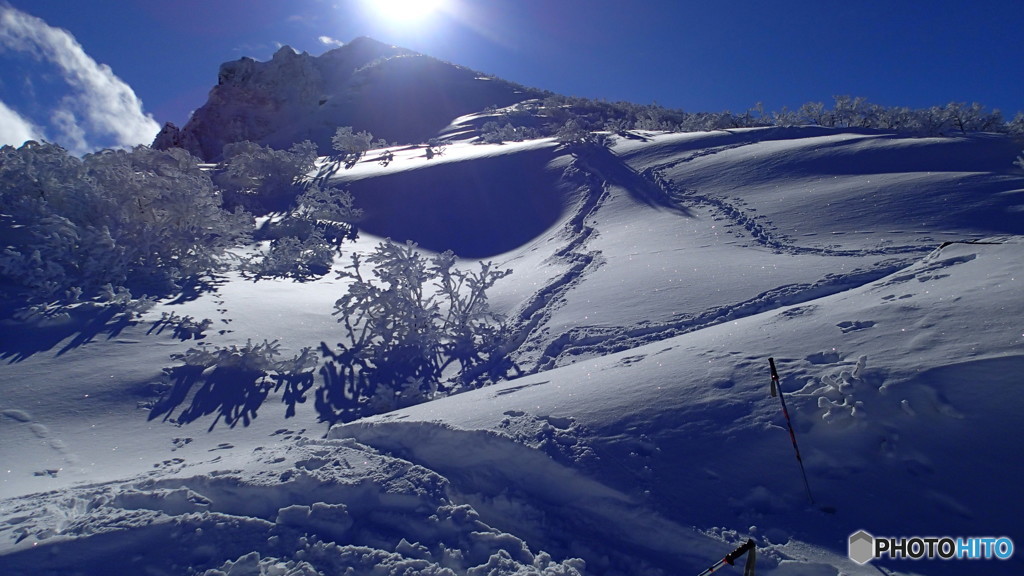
753 220
651 282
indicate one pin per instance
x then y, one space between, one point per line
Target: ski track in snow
537 309
581 261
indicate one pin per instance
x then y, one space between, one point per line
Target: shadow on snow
20 339
24 332
234 395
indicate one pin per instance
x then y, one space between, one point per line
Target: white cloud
330 41
101 110
14 129
73 137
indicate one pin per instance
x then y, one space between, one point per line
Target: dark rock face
394 93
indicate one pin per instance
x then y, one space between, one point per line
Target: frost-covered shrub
555 112
435 147
143 219
1016 126
574 134
350 143
328 206
494 133
262 179
290 257
250 359
110 310
414 328
303 243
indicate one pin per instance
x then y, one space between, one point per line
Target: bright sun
404 10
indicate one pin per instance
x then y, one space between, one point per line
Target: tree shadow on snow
196 287
337 396
632 135
24 332
234 395
22 338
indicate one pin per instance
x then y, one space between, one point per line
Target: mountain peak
366 41
395 93
285 51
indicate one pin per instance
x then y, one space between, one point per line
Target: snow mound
478 201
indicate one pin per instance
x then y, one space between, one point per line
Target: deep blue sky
694 55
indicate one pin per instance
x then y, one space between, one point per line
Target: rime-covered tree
414 327
814 113
853 112
144 219
262 179
973 118
349 143
304 243
493 132
1016 126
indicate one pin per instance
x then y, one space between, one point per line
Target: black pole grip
775 376
732 556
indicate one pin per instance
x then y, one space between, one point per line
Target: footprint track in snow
854 325
44 434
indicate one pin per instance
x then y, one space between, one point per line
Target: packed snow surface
652 281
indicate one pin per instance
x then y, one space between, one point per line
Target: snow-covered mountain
395 93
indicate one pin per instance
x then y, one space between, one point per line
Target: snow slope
651 283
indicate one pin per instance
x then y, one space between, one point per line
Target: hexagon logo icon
862 547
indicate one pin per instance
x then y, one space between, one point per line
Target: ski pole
777 388
731 557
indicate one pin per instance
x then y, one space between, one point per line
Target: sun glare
404 10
